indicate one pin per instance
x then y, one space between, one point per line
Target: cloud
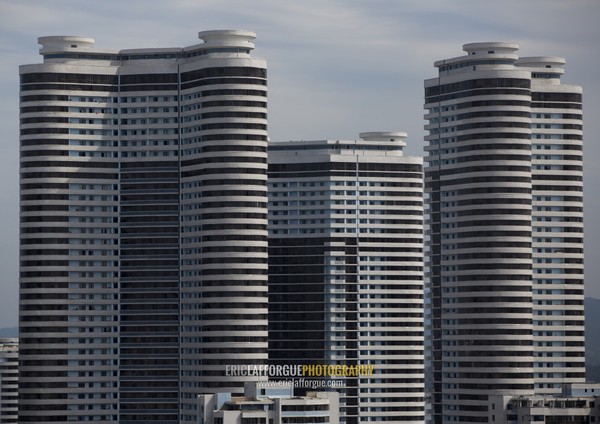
336 67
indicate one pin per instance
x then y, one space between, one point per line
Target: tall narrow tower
346 269
143 227
505 246
557 225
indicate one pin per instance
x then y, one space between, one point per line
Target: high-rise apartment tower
346 269
504 185
143 227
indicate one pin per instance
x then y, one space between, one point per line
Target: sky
336 68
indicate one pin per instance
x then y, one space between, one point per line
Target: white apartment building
578 403
503 180
557 226
9 379
346 268
269 403
143 227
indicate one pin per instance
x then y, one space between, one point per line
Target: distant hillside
9 332
592 338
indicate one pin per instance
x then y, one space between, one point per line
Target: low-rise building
269 403
578 403
9 380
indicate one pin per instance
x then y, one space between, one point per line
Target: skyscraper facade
346 269
505 248
557 226
9 377
143 227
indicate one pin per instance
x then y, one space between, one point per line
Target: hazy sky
336 68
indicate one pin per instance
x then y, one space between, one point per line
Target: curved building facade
490 197
139 169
